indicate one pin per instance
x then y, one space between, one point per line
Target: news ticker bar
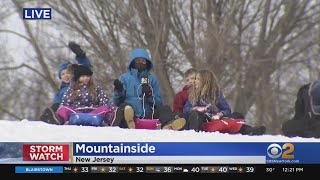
208 169
137 169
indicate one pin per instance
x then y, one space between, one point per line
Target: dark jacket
306 120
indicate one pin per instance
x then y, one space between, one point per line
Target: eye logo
275 151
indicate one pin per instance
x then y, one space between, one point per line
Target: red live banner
45 152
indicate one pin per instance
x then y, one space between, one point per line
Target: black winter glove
146 89
118 85
75 48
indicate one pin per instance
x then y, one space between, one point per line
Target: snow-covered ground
26 131
36 131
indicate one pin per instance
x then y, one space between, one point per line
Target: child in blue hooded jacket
65 76
137 91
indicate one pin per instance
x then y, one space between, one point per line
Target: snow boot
170 120
252 131
129 117
124 117
176 124
49 116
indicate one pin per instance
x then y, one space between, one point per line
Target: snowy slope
36 131
40 132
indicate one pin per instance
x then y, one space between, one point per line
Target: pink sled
151 124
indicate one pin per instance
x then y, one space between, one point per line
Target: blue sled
85 119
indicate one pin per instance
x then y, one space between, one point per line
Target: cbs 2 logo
286 151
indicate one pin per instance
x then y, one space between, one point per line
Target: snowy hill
36 131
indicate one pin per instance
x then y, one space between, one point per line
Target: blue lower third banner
196 153
39 169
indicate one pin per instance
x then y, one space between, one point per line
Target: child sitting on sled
207 103
137 95
81 94
65 76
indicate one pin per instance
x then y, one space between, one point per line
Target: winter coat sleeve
187 107
116 94
103 99
178 102
58 97
84 61
223 105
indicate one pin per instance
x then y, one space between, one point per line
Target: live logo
36 13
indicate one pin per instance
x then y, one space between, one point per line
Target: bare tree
247 44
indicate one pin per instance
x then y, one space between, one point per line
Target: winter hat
62 67
79 70
315 97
